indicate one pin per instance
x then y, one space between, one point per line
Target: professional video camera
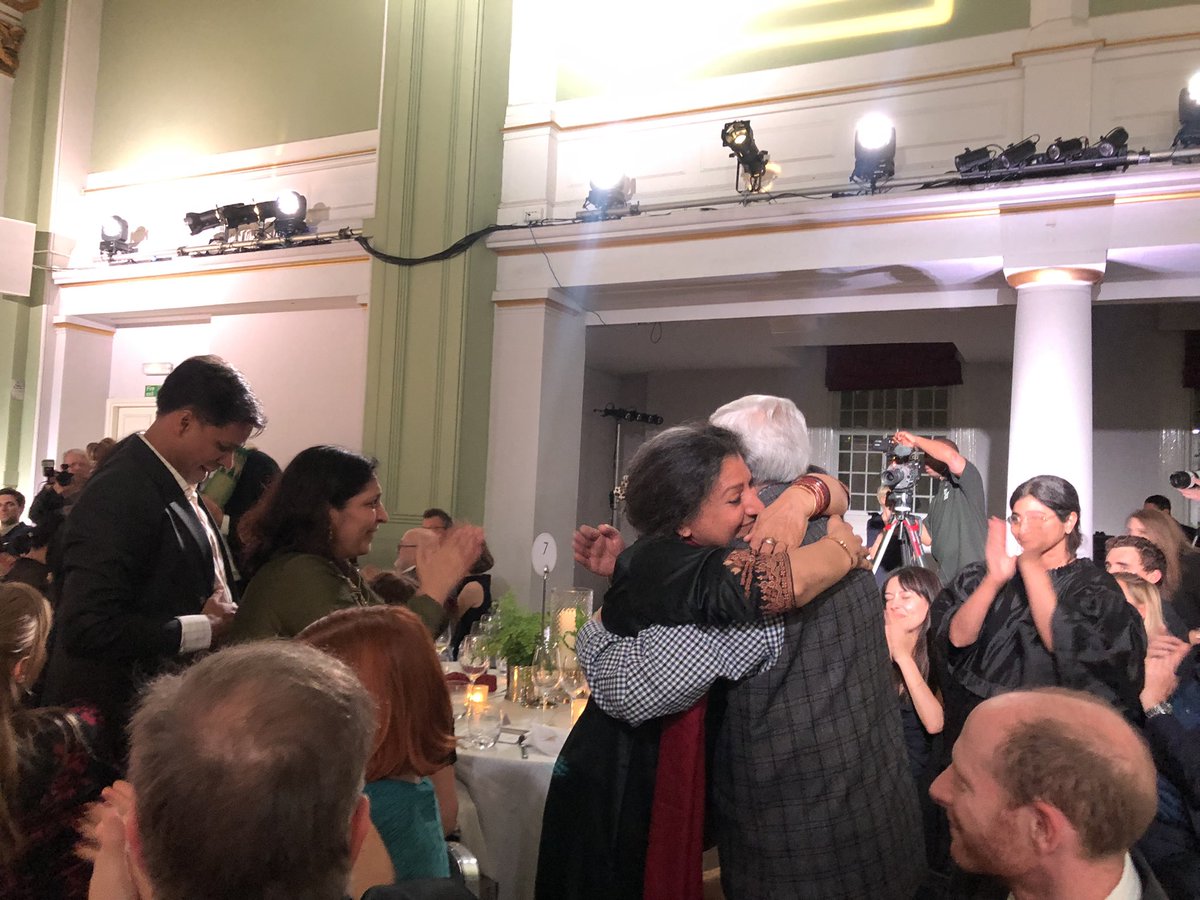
903 469
61 476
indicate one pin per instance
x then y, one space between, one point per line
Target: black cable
459 246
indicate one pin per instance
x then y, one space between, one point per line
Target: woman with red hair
410 779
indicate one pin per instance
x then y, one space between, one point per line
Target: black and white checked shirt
667 669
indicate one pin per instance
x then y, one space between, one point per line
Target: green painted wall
1107 7
194 77
430 328
714 39
31 139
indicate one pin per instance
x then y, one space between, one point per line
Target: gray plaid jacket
811 783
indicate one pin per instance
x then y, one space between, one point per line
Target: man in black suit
146 577
12 529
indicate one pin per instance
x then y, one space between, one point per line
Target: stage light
608 197
970 161
202 221
1113 144
1064 149
114 236
738 136
287 212
1017 154
1189 114
290 210
874 149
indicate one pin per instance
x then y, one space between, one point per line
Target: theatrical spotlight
874 149
1115 143
1064 149
290 208
114 237
738 136
1189 114
1017 154
608 198
286 215
971 161
235 215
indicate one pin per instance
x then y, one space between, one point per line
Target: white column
533 441
1051 416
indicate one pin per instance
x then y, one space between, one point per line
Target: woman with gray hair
616 824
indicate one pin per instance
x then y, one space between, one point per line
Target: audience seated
1138 556
47 771
1048 791
1181 586
1171 698
410 778
1163 504
245 780
31 566
1143 596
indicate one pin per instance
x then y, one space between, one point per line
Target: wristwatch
1160 709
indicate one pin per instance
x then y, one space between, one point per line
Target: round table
508 794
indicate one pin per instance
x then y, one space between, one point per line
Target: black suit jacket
135 557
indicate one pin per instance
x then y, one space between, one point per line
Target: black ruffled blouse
1099 643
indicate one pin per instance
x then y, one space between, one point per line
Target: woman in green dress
302 541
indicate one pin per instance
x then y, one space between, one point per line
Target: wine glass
472 656
441 642
571 677
545 671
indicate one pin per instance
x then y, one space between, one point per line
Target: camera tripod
909 528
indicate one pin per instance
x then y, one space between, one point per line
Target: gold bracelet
844 546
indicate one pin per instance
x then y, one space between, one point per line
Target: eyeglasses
1032 518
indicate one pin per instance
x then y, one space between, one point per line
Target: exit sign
152 390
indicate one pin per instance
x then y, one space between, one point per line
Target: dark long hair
924 582
293 515
673 473
1056 494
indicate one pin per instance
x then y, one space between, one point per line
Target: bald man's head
1051 748
1077 753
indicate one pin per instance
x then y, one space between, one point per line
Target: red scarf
674 864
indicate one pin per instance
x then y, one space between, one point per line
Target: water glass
484 723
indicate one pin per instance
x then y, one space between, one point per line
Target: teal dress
406 815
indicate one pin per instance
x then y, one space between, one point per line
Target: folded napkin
487 681
547 739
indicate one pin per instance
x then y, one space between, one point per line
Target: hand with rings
768 546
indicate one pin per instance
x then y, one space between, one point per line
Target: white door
127 416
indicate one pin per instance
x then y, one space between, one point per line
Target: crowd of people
179 718
982 724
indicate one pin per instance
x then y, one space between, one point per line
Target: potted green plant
513 636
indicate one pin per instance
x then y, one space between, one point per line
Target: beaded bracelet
844 546
819 491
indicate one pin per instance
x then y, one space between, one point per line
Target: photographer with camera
62 485
957 519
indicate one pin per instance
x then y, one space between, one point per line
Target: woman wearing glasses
1040 619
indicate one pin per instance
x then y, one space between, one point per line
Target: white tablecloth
509 794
